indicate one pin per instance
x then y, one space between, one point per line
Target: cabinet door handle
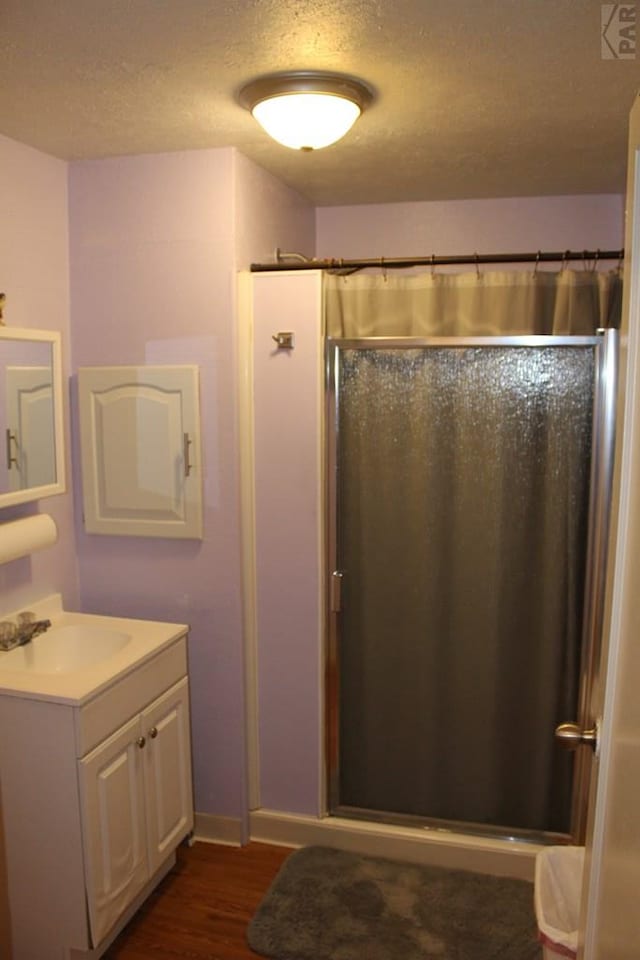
153 733
141 742
186 443
11 438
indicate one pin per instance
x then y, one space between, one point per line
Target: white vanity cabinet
113 827
135 790
96 796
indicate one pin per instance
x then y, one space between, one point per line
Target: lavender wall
35 277
153 282
268 215
288 403
470 226
155 243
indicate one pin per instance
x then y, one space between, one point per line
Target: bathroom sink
81 654
66 649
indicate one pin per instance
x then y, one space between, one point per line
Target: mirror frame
51 489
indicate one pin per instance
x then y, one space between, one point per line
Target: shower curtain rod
283 261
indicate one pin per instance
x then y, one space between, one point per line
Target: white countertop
148 637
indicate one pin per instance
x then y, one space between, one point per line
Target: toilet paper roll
21 537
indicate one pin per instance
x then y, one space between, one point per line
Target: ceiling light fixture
305 109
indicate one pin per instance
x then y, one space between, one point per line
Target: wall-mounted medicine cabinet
141 460
31 415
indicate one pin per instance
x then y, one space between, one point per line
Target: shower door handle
336 591
572 735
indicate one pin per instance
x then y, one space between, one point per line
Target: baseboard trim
212 829
503 858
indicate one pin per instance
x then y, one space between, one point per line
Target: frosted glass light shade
306 121
306 109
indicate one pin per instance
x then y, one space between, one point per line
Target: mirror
31 421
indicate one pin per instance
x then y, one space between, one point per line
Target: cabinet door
167 768
30 419
113 826
140 444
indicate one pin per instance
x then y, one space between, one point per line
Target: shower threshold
458 827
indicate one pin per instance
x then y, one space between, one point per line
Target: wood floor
201 909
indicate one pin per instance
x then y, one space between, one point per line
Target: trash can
557 893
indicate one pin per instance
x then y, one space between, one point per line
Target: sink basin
65 649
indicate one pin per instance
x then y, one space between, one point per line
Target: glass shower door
461 474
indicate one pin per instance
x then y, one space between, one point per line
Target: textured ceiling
475 98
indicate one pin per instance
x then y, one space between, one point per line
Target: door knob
571 735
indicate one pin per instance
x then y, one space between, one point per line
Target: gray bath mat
326 904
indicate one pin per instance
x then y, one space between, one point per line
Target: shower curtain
463 479
501 303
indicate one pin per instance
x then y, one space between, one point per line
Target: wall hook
284 339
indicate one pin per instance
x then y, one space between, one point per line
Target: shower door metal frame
605 344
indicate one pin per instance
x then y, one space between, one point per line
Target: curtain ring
535 269
433 264
588 263
384 269
593 261
565 259
477 265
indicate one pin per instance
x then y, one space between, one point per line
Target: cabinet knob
141 742
153 733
